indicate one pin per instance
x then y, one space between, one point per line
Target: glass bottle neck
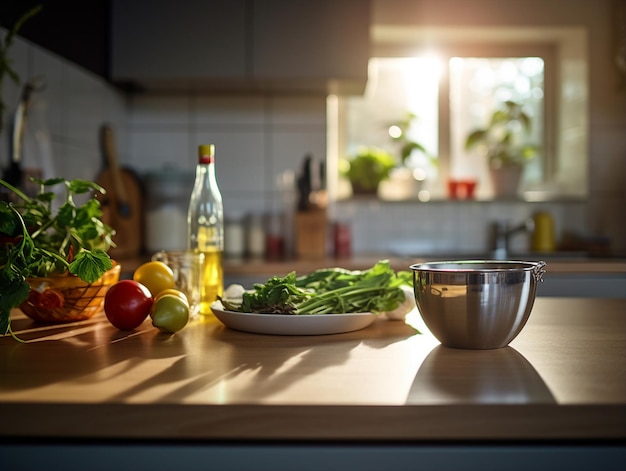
206 170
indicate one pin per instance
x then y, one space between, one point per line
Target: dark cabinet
311 40
73 29
165 40
251 44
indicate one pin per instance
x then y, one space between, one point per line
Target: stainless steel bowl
476 304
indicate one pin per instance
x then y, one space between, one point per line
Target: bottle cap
206 154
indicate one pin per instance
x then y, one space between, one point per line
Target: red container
342 238
274 247
461 189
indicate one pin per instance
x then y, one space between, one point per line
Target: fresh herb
327 291
37 241
6 66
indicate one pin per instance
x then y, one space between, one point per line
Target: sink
547 256
564 256
569 256
410 249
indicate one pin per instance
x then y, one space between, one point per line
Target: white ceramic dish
281 324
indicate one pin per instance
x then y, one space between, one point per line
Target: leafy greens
36 241
327 291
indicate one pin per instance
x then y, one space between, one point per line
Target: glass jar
167 193
234 236
255 237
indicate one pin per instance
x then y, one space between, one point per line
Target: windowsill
374 198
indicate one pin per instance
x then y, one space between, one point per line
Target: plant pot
358 189
67 298
506 180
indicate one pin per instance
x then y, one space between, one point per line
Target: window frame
445 50
546 52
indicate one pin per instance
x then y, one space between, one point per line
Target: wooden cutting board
122 205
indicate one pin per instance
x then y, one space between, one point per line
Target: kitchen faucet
502 232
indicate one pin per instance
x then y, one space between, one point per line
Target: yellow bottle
205 223
543 238
212 278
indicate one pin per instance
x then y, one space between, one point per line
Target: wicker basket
67 298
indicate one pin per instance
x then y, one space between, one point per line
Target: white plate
284 324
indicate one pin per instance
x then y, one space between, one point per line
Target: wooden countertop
563 378
266 268
302 266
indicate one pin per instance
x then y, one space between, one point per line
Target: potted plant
502 143
406 179
399 134
52 258
368 168
5 62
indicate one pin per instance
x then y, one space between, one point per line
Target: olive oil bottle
205 224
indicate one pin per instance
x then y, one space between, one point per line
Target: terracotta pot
506 180
361 190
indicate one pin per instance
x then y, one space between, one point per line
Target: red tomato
127 304
48 299
33 297
51 299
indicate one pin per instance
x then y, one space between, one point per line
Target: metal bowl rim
490 266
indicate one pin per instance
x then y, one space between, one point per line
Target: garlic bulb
234 292
399 313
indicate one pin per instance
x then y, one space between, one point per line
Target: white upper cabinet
320 45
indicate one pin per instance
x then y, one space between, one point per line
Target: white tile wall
76 103
425 229
259 136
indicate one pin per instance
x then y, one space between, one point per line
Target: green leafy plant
368 168
38 241
408 146
5 63
327 291
502 138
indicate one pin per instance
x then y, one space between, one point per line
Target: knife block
311 234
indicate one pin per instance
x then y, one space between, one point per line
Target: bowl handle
538 270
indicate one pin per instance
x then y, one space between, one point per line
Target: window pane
399 87
396 89
479 86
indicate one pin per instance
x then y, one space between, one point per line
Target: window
437 96
478 87
401 97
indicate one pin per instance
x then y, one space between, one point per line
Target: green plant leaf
369 167
79 186
36 242
506 122
328 291
408 149
90 266
9 224
13 292
475 137
65 216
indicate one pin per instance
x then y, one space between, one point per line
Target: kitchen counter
264 268
566 276
555 264
563 378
